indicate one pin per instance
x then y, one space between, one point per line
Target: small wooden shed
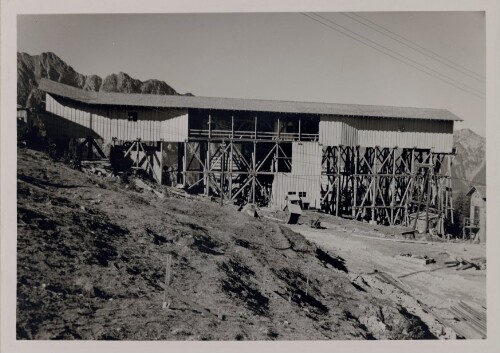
477 215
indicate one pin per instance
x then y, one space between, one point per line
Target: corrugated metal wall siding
152 125
305 175
286 182
306 158
334 133
386 132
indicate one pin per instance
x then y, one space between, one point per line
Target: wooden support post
449 188
168 276
88 142
300 129
279 128
161 164
393 184
255 130
207 171
430 176
232 127
254 172
230 164
374 182
337 194
223 149
355 181
209 126
420 199
137 144
412 183
184 165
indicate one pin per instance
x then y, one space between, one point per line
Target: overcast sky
286 56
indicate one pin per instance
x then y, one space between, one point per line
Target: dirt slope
92 252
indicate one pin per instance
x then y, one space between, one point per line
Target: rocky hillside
91 254
469 165
31 68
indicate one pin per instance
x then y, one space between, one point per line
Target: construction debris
315 223
142 185
417 259
250 209
478 263
100 168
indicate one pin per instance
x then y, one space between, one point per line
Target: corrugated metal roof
170 101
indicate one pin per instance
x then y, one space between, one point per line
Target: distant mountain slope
469 166
31 68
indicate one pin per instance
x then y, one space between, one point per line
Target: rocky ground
429 291
91 260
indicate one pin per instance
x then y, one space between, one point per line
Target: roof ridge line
224 103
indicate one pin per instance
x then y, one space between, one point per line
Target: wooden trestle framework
342 154
386 185
389 186
234 169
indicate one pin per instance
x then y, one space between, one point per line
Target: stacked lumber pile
470 317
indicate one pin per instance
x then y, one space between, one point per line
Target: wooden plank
478 322
465 321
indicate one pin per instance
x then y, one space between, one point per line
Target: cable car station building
373 163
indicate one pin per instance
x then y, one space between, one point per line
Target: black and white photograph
249 176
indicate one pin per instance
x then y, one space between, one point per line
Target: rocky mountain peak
31 68
469 165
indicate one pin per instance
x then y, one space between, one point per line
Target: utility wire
470 181
439 76
401 55
415 46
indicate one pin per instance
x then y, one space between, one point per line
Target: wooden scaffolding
381 184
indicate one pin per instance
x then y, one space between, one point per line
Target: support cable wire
415 46
397 56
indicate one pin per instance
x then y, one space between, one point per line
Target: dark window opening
132 116
302 194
